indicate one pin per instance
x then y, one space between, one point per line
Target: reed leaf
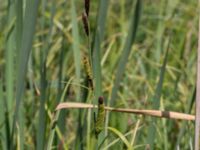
29 24
75 45
156 99
126 50
3 132
96 47
41 129
55 119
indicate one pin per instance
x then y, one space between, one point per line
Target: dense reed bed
139 56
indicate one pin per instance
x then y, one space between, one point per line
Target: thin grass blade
76 49
9 53
189 109
126 51
19 30
56 116
43 72
197 121
121 136
96 51
96 47
156 99
2 119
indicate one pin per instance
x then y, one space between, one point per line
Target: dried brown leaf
154 113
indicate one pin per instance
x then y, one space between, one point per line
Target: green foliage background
143 55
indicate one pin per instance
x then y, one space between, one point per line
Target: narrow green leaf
56 116
160 31
96 51
76 49
19 24
121 136
3 139
96 47
10 50
126 51
43 73
184 127
156 99
26 45
19 30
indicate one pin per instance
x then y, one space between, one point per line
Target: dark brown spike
87 7
101 99
85 23
90 82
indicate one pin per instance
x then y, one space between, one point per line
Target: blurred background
142 55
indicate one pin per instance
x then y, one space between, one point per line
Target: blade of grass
126 51
96 52
19 24
197 120
189 109
156 99
19 29
42 114
54 123
135 132
121 136
57 131
160 31
2 118
164 130
115 141
26 45
61 120
81 117
76 49
9 73
96 47
44 95
8 30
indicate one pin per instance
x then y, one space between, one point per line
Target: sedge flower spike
99 124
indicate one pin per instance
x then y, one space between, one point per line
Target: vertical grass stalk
156 99
126 51
197 120
29 24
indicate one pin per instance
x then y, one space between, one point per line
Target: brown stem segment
154 113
